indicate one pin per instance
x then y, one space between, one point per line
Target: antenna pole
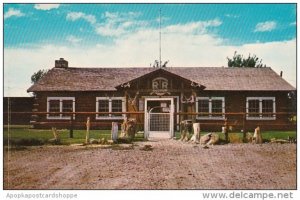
160 37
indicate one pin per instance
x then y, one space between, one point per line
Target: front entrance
159 121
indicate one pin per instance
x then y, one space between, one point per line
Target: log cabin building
214 93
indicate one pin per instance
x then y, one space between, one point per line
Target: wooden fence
236 120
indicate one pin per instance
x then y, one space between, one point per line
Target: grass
16 134
27 135
267 135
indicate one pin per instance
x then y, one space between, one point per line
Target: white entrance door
159 121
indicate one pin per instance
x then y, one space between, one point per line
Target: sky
127 35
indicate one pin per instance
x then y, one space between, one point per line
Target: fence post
88 125
244 126
71 126
114 131
226 130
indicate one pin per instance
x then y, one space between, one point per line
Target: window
103 106
60 104
116 106
260 108
67 106
217 107
54 106
253 108
203 107
110 104
210 107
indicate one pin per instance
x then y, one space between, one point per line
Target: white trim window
210 107
260 108
60 104
110 104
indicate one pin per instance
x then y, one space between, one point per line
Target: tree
38 75
239 61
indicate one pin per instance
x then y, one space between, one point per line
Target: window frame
60 99
261 117
110 99
210 117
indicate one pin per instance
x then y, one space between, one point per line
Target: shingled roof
213 78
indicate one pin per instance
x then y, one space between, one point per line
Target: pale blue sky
117 35
240 22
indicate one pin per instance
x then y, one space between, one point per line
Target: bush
54 141
235 138
25 142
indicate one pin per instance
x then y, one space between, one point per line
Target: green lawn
267 135
26 133
17 133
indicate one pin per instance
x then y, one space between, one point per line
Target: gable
160 79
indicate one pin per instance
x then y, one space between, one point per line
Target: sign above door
160 86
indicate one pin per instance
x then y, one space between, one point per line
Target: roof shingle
213 78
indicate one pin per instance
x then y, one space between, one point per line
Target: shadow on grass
24 142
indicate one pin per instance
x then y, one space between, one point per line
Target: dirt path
170 165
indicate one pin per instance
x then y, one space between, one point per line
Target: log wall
235 102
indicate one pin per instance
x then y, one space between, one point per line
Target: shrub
25 142
235 138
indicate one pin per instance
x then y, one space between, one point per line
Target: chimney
281 73
61 63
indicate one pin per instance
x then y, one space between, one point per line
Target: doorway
159 121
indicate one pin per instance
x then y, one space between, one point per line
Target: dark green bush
24 142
